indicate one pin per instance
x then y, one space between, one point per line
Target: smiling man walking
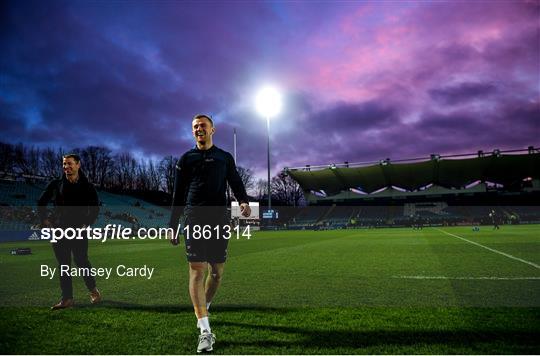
201 180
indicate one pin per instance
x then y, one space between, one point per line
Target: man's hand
172 238
245 210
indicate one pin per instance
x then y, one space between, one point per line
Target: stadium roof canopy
503 169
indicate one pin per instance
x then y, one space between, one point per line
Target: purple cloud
362 81
451 95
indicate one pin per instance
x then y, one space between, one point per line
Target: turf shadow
181 308
518 341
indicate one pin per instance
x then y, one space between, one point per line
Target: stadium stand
308 217
340 215
452 174
438 190
122 209
18 193
18 210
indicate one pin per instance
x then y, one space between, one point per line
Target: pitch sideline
491 249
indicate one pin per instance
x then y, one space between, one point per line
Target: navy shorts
211 250
206 247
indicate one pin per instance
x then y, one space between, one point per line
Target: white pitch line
470 278
491 249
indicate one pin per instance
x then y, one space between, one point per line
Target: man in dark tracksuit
76 206
201 180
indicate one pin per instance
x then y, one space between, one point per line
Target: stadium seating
15 193
18 208
308 216
340 215
145 214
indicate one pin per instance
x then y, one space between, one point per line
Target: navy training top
200 180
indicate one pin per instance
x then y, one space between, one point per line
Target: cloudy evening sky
361 80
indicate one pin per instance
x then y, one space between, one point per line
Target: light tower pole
268 161
268 104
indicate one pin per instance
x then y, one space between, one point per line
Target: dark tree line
121 171
124 172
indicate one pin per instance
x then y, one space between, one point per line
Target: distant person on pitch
494 219
76 206
201 179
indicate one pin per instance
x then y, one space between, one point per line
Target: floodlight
268 102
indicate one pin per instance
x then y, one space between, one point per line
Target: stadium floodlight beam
268 103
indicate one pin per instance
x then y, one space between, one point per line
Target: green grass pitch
333 292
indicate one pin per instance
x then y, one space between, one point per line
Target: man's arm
237 186
44 200
179 193
93 204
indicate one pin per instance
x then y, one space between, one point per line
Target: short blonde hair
204 116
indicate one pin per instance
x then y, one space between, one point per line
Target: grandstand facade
446 190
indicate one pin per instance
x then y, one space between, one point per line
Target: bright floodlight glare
268 102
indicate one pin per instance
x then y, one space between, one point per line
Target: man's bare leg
197 294
213 281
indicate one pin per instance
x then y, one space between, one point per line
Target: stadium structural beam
530 149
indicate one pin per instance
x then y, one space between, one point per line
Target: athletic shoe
63 304
95 296
206 341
